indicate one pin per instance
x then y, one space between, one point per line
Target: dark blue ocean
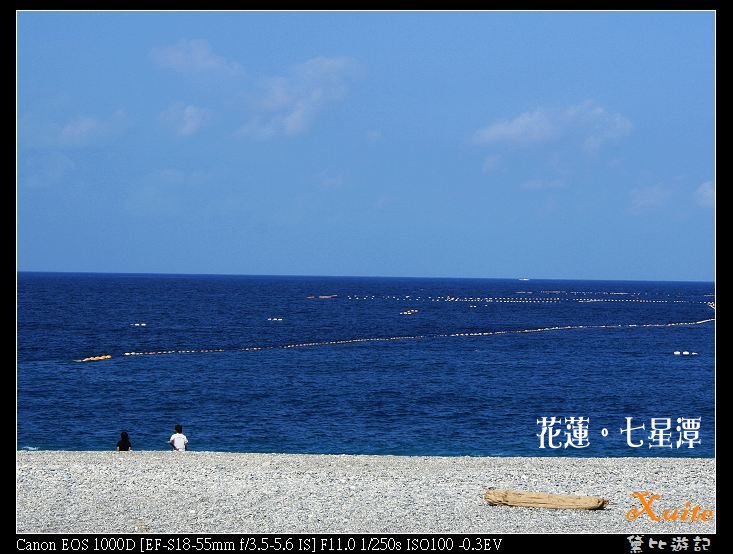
363 365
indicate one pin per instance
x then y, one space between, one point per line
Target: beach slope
197 492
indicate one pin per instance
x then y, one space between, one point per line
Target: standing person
124 443
178 440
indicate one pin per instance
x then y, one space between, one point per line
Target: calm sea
365 365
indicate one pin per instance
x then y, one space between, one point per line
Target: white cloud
45 169
705 194
282 105
195 57
593 124
527 127
288 105
328 180
84 129
644 198
79 130
185 120
596 124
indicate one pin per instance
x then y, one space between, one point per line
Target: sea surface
366 365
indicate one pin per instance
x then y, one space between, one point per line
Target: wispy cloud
195 57
328 180
649 197
596 124
79 130
185 120
168 192
288 105
85 129
705 194
491 163
528 127
280 105
374 135
45 169
593 124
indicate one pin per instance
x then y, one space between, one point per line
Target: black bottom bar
632 543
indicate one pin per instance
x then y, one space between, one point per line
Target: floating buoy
677 352
96 358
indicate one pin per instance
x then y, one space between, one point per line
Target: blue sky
541 145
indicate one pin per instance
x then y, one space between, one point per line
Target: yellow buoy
96 358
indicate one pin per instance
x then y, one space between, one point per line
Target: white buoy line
529 300
409 337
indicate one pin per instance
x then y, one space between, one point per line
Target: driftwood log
498 497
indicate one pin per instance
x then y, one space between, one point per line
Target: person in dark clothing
124 443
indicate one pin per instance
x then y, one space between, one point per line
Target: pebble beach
217 492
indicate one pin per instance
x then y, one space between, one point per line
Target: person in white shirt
178 440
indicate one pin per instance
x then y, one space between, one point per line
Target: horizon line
523 278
